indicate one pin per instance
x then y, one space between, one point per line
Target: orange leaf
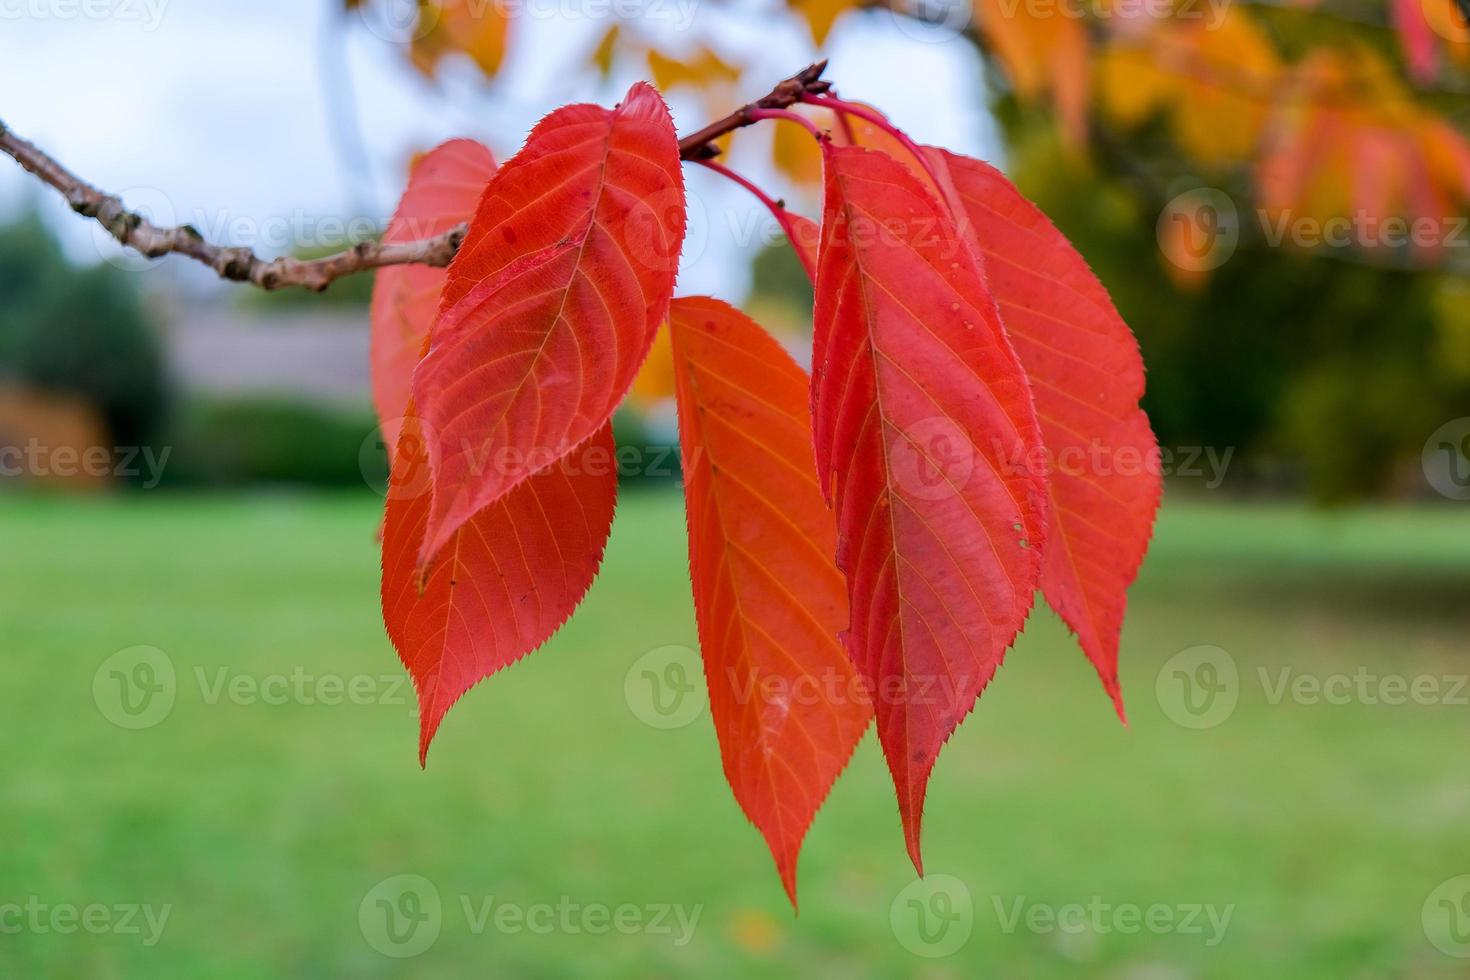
552 302
697 69
475 28
1043 50
925 435
787 705
655 379
820 15
1087 377
442 191
509 578
602 55
796 154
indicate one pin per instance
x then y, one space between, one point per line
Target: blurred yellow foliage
1216 83
477 29
820 15
704 67
1348 142
1044 50
655 380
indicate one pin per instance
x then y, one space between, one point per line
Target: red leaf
442 192
552 301
1416 37
804 234
1087 377
508 578
921 413
787 705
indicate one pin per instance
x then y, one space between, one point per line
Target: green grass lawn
1320 828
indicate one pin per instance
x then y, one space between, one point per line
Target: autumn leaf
1416 37
1216 82
1350 145
1104 480
602 56
787 704
1044 49
805 235
475 28
820 15
552 302
695 69
925 440
796 154
519 567
442 192
655 379
1086 377
509 576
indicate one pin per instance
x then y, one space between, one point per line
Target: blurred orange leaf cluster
1044 50
1331 130
1348 141
1215 83
472 27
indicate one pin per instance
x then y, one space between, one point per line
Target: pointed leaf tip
768 597
923 428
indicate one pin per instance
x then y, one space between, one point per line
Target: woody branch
241 264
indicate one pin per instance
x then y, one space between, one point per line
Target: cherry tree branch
237 264
240 264
807 82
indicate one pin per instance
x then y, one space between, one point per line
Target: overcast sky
218 114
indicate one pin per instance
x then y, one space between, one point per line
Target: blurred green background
1321 828
212 768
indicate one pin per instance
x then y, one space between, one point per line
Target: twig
808 81
236 264
240 264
